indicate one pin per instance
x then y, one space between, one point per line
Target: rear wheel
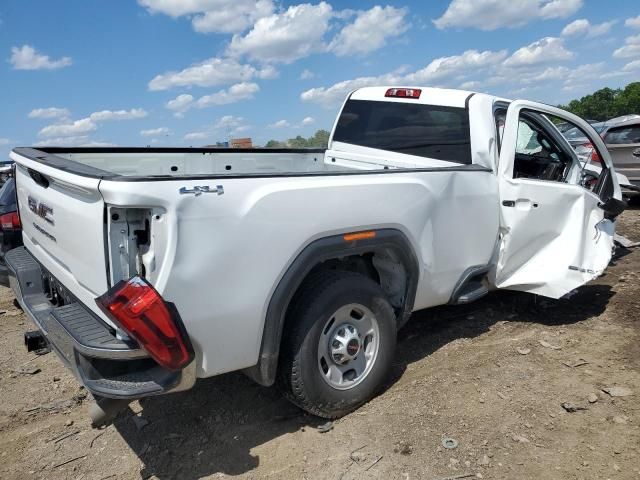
338 345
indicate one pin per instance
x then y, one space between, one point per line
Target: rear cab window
429 131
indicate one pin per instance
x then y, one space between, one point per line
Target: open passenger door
555 232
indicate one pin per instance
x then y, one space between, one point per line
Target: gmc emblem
42 210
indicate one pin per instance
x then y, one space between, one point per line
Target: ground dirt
492 375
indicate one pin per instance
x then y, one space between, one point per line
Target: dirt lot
492 375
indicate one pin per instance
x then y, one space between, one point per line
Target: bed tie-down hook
199 190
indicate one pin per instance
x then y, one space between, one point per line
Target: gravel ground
493 376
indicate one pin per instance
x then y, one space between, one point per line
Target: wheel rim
348 346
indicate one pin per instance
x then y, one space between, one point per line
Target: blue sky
192 72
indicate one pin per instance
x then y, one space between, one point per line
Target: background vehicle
622 138
10 228
147 268
623 142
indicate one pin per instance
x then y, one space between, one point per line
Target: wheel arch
387 246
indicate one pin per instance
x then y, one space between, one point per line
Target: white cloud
84 125
439 70
470 85
4 141
228 121
235 93
75 141
180 104
155 132
308 120
631 48
213 16
280 124
109 115
209 73
575 28
224 126
544 51
570 77
284 37
89 124
633 22
235 16
632 66
583 27
306 74
369 31
447 67
178 8
197 135
494 14
51 112
27 58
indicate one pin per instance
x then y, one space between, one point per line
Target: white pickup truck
146 268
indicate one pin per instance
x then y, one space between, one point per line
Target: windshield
430 131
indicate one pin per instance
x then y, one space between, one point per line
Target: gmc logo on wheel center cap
41 209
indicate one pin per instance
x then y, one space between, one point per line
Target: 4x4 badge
199 190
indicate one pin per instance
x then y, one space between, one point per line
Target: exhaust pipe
35 341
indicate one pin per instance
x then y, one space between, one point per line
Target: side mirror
613 207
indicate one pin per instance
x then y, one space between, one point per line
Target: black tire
299 376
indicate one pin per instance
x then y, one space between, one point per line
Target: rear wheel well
381 266
387 257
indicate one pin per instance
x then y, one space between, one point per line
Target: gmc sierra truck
147 268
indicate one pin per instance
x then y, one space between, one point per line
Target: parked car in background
623 142
10 228
622 138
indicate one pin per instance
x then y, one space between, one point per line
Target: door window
623 135
538 155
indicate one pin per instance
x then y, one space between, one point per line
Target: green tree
320 139
607 103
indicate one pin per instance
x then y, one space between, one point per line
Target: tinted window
428 131
8 193
573 133
623 135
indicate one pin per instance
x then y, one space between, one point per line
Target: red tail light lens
10 220
143 314
403 92
594 153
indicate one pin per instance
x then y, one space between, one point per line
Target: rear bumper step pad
107 365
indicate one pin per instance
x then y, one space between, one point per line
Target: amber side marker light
140 310
351 237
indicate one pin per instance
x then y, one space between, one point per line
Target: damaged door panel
555 235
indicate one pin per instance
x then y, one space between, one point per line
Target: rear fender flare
321 250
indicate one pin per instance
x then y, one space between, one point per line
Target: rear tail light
143 314
10 221
594 153
403 92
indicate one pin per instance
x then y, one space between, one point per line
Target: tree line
607 103
320 139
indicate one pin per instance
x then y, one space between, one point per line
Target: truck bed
138 163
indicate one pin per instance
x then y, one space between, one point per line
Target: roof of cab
431 96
